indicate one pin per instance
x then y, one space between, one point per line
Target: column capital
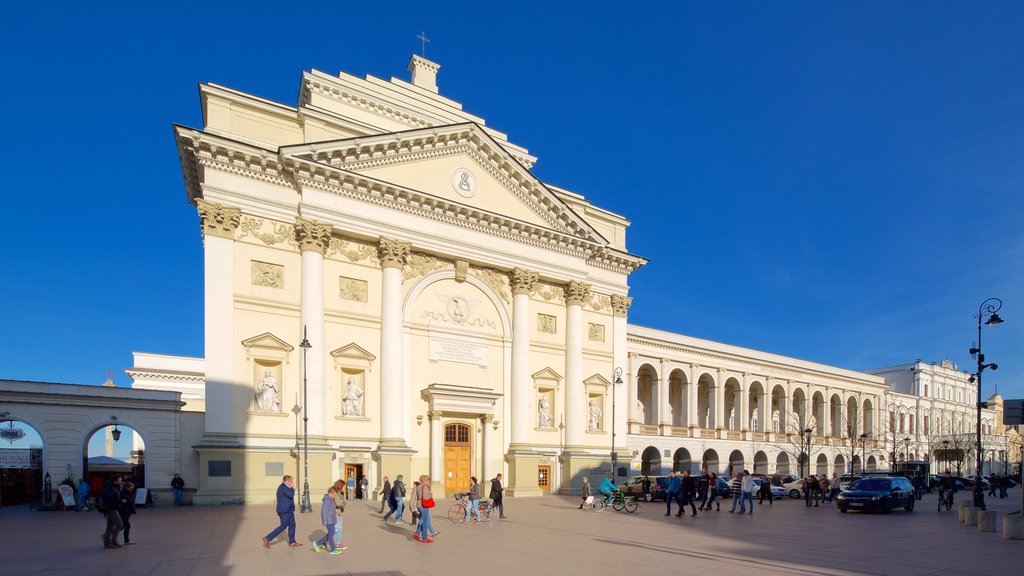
217 219
393 253
632 355
576 293
312 235
434 414
523 281
487 418
620 305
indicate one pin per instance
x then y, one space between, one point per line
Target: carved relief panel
352 289
267 274
547 323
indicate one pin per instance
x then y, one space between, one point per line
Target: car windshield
871 484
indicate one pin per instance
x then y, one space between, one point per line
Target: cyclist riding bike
608 488
947 487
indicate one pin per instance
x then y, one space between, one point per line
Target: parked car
777 491
634 487
846 480
958 483
878 494
795 488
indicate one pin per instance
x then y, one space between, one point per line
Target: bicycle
620 502
945 499
457 511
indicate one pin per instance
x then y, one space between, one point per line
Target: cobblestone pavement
541 536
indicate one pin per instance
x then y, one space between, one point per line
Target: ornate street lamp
987 315
615 384
806 456
906 450
863 440
115 433
305 345
945 452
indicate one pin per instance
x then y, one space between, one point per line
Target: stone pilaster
523 283
217 219
393 255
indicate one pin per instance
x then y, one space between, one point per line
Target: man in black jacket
111 498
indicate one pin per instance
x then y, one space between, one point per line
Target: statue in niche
754 421
353 398
543 412
775 420
705 418
668 414
594 413
732 418
267 394
640 410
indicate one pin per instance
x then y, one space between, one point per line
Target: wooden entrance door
353 471
457 458
544 479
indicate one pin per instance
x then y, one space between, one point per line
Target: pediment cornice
197 149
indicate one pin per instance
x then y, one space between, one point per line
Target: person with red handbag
423 501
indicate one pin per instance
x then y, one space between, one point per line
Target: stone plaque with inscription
451 346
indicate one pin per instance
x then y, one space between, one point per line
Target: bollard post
964 505
1013 527
987 520
971 516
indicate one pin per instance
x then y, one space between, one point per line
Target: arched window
456 434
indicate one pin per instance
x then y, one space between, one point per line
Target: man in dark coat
385 494
285 511
111 500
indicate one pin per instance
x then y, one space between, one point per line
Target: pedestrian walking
83 495
702 489
364 488
736 490
423 502
586 491
127 509
397 500
328 517
285 512
385 495
339 504
764 491
713 493
178 487
496 492
747 489
110 505
675 484
473 503
688 492
645 487
351 487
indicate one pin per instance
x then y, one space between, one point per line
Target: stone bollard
1013 527
987 520
963 510
971 516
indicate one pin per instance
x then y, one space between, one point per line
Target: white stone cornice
200 149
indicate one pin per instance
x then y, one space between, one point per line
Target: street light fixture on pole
945 452
987 315
305 345
806 456
906 449
615 384
863 440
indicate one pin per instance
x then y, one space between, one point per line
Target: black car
876 493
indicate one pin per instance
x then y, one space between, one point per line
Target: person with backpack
397 502
328 517
110 506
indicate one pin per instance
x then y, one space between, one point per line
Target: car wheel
886 506
794 494
843 510
910 505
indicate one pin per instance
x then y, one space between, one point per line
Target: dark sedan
880 494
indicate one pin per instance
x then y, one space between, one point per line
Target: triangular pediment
353 351
547 374
267 341
460 166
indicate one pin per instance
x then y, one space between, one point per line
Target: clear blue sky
835 181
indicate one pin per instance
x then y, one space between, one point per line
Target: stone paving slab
541 536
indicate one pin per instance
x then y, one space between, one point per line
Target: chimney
424 72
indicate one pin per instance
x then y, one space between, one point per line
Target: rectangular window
925 425
903 421
218 468
912 423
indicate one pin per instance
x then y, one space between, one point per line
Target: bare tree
798 440
851 423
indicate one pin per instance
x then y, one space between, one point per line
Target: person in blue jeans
397 503
329 518
747 487
423 501
285 512
675 485
177 485
608 488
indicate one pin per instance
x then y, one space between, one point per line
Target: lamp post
906 450
806 456
987 315
863 441
305 345
945 452
616 380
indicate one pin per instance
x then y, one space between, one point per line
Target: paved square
542 536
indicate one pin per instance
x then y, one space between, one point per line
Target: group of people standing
820 489
117 503
421 502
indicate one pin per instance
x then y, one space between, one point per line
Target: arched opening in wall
731 396
872 464
760 462
736 462
705 418
821 466
853 422
818 414
710 462
782 465
840 465
755 397
647 394
858 466
650 461
681 460
869 417
777 415
21 464
677 397
835 415
114 450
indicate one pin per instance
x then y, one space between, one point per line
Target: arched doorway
651 462
681 460
736 462
821 465
840 465
710 462
457 457
111 450
782 464
858 466
21 463
760 462
872 463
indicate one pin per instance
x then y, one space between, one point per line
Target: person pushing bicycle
608 488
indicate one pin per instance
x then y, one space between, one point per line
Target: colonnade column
314 238
219 224
743 409
826 412
663 395
631 389
691 398
576 293
393 254
436 448
718 411
763 411
485 448
523 283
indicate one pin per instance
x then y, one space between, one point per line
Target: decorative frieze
550 292
418 265
498 281
393 253
523 281
312 235
547 323
600 302
352 289
217 219
277 233
266 274
576 293
352 250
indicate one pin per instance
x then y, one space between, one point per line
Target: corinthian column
219 224
314 238
523 283
576 293
392 259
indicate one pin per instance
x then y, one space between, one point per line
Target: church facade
390 290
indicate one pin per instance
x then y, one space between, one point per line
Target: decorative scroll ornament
217 219
352 250
523 281
312 235
576 293
421 265
393 253
621 304
498 281
278 232
12 434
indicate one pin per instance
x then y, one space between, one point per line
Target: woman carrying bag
423 501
